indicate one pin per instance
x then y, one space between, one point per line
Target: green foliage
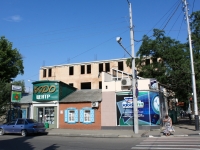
11 62
173 67
5 92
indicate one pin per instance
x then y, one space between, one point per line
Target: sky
57 32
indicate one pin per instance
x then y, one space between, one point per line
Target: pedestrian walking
189 115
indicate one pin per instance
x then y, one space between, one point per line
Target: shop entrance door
40 115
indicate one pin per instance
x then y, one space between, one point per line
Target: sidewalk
183 128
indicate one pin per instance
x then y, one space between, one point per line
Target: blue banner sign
148 108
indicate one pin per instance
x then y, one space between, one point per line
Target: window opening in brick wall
100 67
50 72
154 60
71 70
120 66
86 85
44 72
100 85
107 67
88 69
71 84
147 61
82 69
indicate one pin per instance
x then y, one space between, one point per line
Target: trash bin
46 125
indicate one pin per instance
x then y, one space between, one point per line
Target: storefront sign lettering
42 96
45 89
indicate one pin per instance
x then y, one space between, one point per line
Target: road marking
164 148
174 143
171 145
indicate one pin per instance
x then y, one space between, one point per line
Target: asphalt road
43 142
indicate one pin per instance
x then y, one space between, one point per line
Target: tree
170 63
173 66
5 92
11 62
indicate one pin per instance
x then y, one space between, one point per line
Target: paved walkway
183 128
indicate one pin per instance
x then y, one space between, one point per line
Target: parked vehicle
22 126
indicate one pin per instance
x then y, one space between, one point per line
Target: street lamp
134 90
29 80
135 109
192 68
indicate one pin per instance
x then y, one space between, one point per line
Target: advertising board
148 108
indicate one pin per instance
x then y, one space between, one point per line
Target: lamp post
192 69
135 108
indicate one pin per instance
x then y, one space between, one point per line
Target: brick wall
79 125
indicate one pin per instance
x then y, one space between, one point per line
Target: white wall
109 85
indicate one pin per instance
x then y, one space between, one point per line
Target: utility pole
135 108
192 69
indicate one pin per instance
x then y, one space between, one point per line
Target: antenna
43 63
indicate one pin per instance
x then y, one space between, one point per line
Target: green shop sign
16 96
45 91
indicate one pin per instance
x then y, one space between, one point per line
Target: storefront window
49 115
46 114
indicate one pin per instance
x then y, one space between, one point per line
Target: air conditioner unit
94 104
126 82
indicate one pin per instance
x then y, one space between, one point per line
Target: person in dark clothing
189 115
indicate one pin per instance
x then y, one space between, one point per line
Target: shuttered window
71 115
87 115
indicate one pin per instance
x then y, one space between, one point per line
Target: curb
91 135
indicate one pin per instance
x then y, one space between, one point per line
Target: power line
180 27
94 47
70 29
193 5
171 16
175 5
174 23
72 38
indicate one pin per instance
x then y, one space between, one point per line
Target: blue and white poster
148 108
